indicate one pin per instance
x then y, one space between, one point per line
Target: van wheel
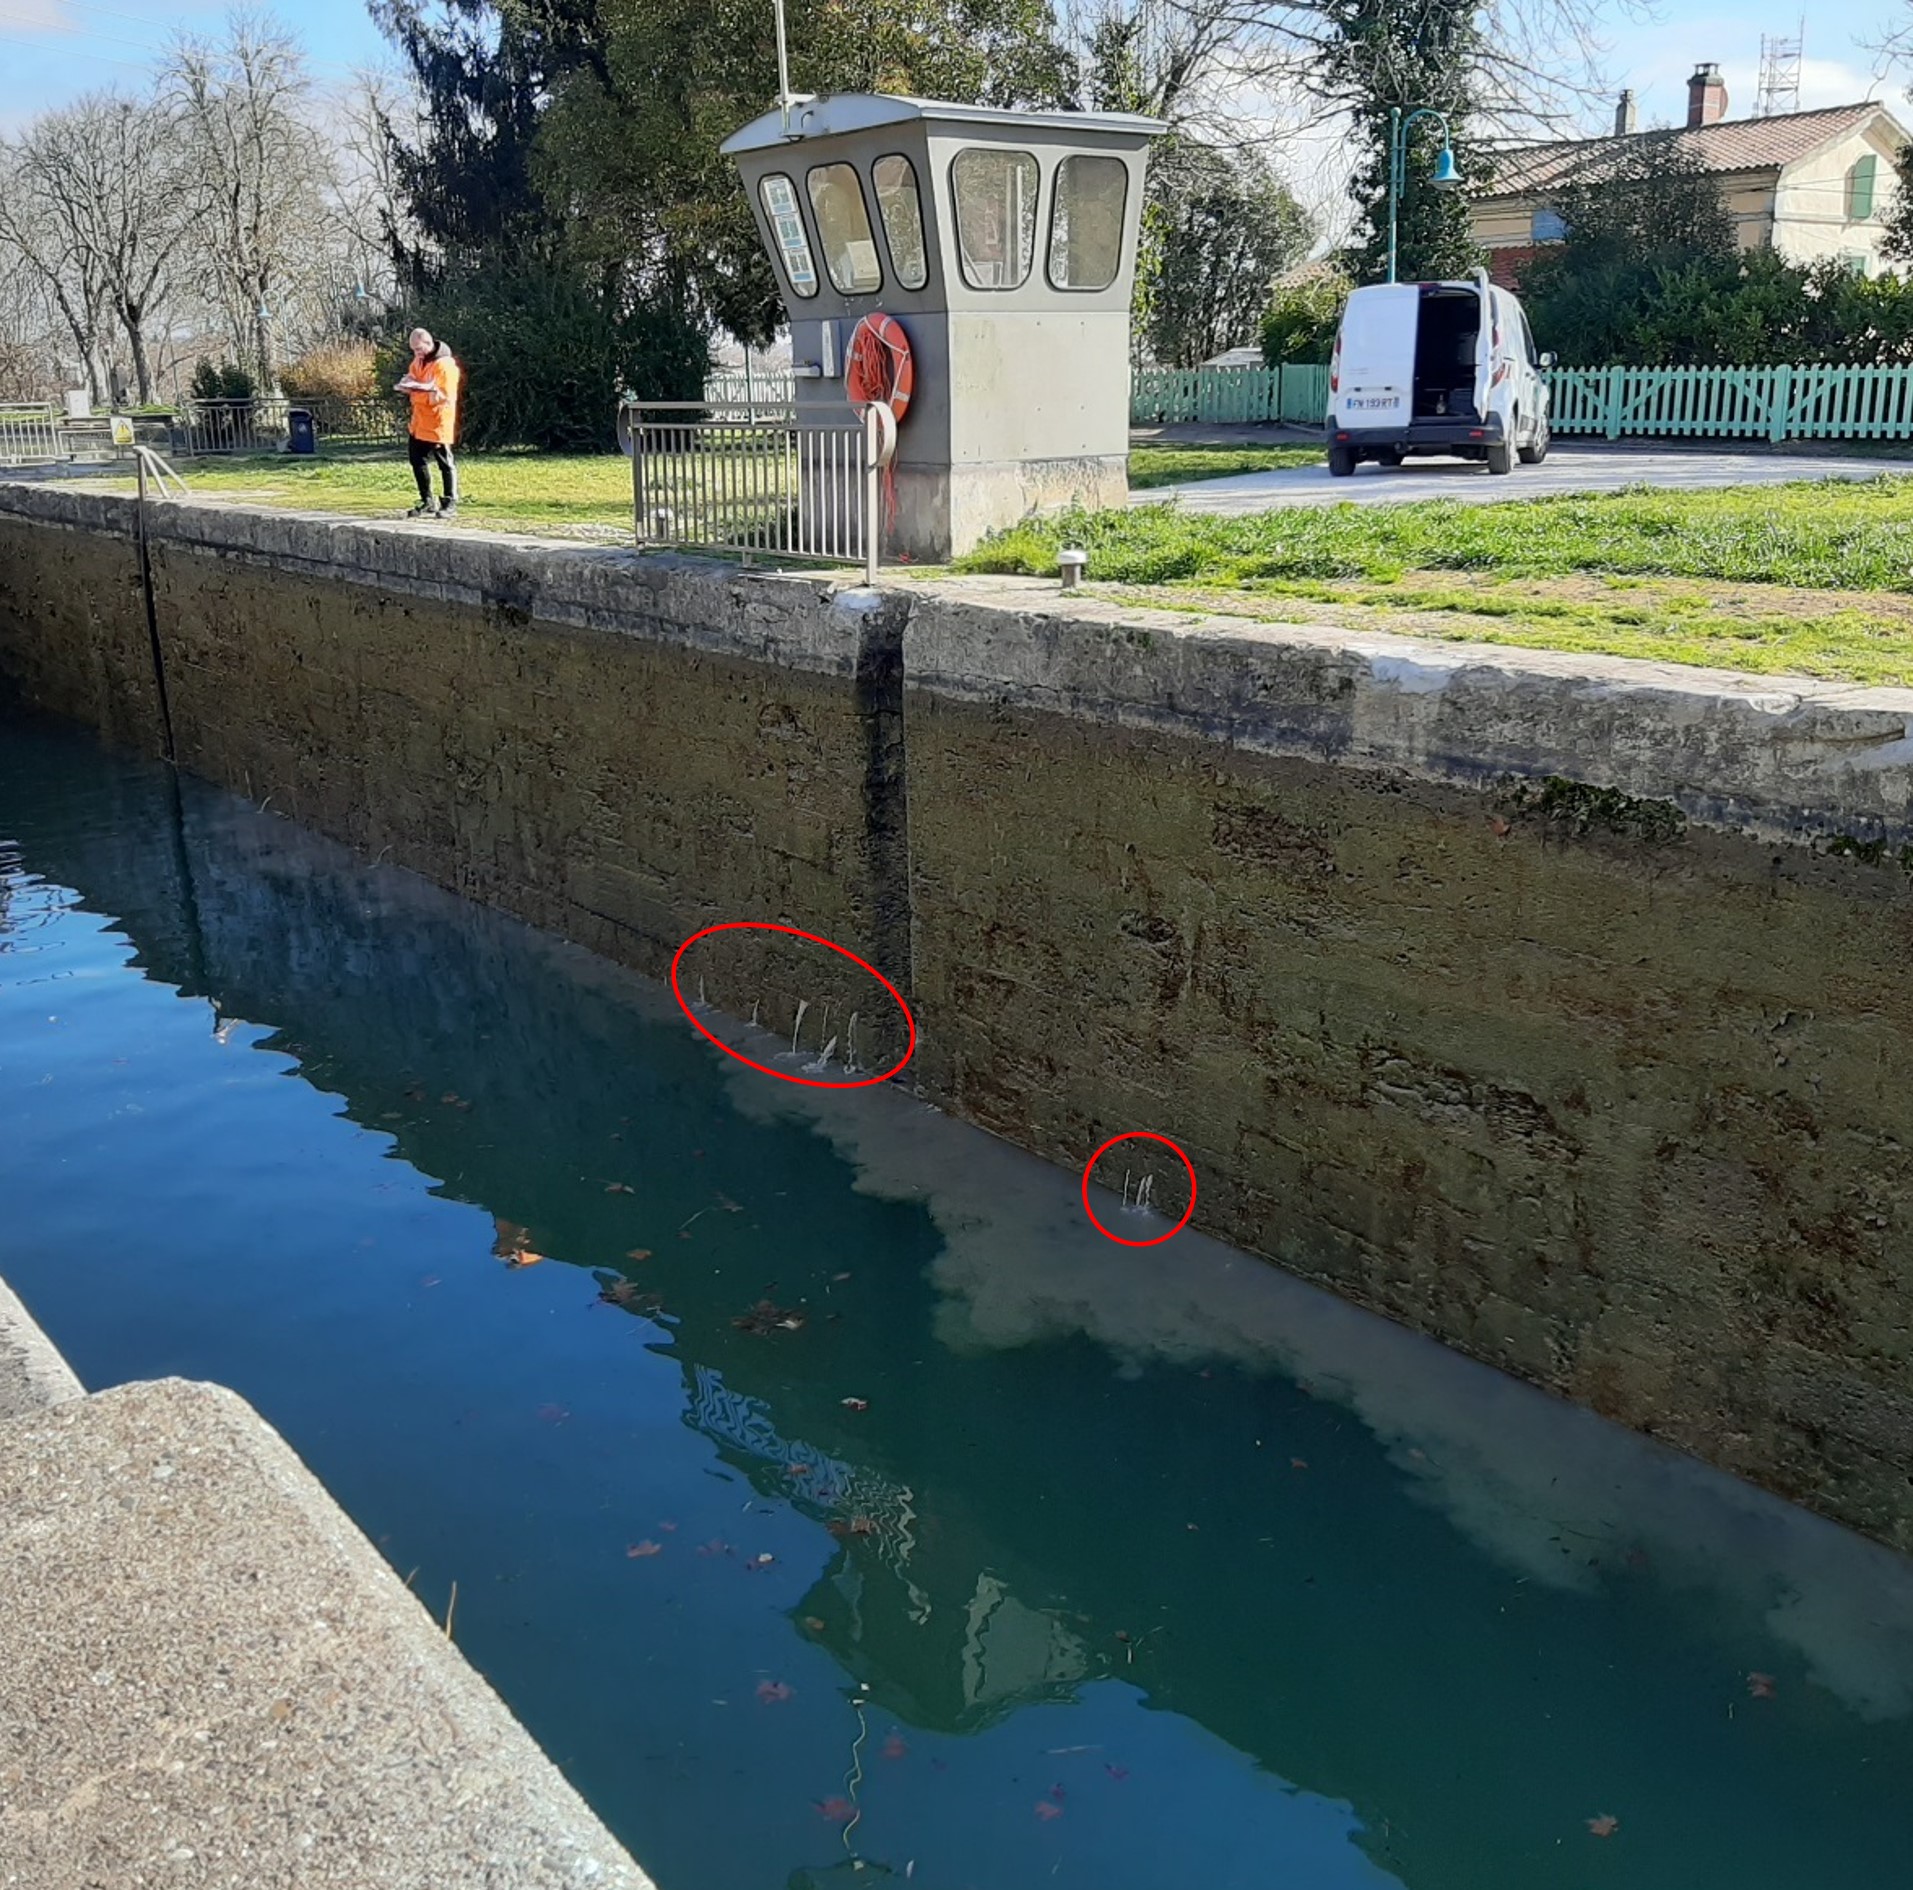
1536 449
1500 456
1341 461
1390 456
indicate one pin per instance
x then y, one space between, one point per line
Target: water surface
1023 1560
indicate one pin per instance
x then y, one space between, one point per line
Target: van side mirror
1547 357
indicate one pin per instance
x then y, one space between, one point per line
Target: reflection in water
832 1494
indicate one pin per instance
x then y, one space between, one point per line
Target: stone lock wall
1554 1006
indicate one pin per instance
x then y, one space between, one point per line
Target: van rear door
1492 342
1373 382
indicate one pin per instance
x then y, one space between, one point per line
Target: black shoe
426 508
448 508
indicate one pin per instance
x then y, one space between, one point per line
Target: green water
1140 1568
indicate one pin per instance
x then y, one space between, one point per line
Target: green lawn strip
1173 465
1785 632
1827 534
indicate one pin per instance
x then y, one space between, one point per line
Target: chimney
1706 96
1625 119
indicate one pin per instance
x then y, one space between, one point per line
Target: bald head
420 340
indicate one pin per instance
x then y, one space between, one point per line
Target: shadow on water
820 1488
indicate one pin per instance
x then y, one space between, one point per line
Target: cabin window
787 224
901 209
1549 226
1860 183
995 192
843 227
1086 222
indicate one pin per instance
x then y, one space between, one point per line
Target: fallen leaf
853 1526
1117 1771
1298 1463
856 1404
1046 1809
837 1810
431 1279
523 1257
637 1550
669 1528
728 1205
770 1692
797 1469
840 1278
762 1561
552 1414
1605 1825
814 1622
765 1318
638 1253
895 1748
619 1187
1499 828
716 1546
1760 1686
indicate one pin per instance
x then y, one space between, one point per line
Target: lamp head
1445 176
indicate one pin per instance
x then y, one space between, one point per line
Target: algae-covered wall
1554 1006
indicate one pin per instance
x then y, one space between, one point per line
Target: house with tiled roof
1808 184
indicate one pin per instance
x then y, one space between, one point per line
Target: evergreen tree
1384 56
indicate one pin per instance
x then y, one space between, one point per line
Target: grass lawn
1171 465
1813 579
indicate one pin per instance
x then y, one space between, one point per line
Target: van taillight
1335 367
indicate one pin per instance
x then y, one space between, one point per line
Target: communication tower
1780 73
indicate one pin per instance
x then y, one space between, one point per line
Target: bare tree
107 175
259 174
379 115
32 226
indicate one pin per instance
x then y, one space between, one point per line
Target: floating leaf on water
619 1187
669 1528
553 1414
814 1622
716 1546
1760 1686
797 1470
638 1253
431 1279
895 1747
856 1404
763 1561
523 1257
852 1526
1117 1772
767 1317
630 1295
728 1205
837 1810
638 1550
1046 1809
1298 1463
840 1278
1605 1825
770 1692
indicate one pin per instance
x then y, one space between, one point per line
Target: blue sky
51 50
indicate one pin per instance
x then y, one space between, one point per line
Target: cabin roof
831 116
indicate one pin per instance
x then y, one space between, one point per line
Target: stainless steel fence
262 425
30 435
762 481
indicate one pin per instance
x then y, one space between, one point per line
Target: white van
1436 367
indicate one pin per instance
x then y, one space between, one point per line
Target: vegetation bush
337 370
1300 321
546 355
214 380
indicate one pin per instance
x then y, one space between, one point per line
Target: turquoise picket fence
1710 403
1296 394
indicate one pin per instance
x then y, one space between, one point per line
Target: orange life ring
879 365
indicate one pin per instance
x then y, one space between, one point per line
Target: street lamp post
1444 177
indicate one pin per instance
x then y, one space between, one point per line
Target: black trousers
425 455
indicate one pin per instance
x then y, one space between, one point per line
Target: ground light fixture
1445 176
1072 562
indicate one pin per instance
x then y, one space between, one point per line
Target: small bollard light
1072 564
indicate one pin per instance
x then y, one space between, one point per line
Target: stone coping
209 1679
32 1373
1781 758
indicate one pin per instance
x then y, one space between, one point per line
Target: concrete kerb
209 1677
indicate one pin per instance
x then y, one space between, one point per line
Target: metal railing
30 435
765 482
750 387
262 425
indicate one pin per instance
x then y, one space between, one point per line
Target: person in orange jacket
432 381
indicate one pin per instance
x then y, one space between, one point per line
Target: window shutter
1860 188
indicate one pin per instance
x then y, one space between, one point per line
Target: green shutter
1860 188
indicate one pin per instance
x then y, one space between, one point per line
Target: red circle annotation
1139 1135
784 1076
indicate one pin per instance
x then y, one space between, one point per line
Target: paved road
1568 468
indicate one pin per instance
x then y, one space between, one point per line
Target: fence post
1780 410
1611 419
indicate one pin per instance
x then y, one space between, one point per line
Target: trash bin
301 435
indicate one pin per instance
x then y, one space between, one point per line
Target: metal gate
762 481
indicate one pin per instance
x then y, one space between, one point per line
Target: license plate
1368 401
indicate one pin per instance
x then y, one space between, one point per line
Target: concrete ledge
1780 758
210 1681
32 1374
